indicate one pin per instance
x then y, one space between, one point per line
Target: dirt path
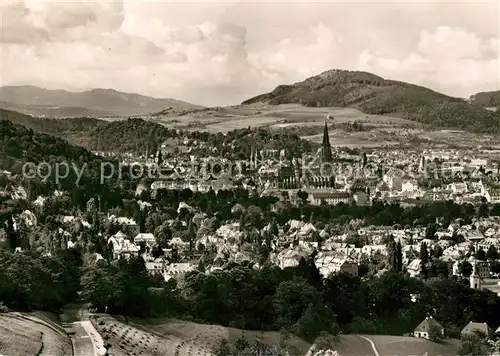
355 345
82 343
86 340
372 344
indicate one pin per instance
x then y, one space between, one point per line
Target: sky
221 53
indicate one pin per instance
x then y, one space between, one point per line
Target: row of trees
295 299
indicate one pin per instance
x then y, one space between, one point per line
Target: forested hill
95 134
20 145
23 144
375 95
488 99
138 135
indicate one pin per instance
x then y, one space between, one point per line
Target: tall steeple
326 151
475 278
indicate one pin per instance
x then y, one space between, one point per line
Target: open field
307 122
30 333
354 345
406 345
176 337
197 334
163 336
270 338
126 340
242 116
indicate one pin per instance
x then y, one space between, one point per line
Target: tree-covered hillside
138 135
375 95
486 99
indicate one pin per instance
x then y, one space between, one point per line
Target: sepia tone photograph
249 178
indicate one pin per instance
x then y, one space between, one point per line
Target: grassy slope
176 337
374 95
21 334
181 338
405 345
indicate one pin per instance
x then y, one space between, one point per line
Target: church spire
326 148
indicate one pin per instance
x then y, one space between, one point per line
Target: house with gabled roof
414 268
424 329
147 238
474 328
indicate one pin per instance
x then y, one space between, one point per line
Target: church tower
326 149
159 158
475 278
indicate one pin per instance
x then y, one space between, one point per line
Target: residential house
122 247
393 179
382 189
474 328
177 270
409 186
480 162
459 188
473 236
425 328
333 262
492 194
370 250
414 268
148 239
482 267
155 267
125 223
318 197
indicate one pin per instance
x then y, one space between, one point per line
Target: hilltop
37 101
372 94
487 99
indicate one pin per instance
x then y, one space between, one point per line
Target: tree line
294 299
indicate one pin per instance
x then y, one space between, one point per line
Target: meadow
407 345
33 334
134 337
307 122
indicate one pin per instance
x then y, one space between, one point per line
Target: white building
414 268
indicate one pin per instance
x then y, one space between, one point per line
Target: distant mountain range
375 95
37 101
364 91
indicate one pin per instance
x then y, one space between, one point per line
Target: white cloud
454 60
223 53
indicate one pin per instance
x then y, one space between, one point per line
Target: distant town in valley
346 214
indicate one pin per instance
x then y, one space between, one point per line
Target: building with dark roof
474 328
424 329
